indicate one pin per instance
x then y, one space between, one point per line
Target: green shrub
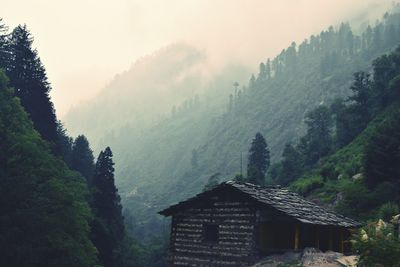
377 244
388 210
357 200
305 185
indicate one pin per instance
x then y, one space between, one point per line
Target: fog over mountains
299 95
173 119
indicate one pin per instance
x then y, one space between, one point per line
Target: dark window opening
211 233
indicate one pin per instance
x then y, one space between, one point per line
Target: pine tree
361 107
44 212
108 225
28 78
385 69
317 142
291 58
258 161
343 126
252 82
64 144
82 159
291 165
268 68
382 154
262 75
4 53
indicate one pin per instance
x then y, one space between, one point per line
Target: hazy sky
84 43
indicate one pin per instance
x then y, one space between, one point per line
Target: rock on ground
309 257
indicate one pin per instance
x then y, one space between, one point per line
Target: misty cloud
90 41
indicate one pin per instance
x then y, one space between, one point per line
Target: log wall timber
235 245
236 223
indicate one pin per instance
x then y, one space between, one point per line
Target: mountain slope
172 158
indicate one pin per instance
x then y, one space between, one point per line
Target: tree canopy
107 226
258 161
43 210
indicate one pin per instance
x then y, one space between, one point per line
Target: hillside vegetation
57 208
172 158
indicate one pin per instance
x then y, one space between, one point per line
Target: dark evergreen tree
382 154
64 144
317 142
258 161
28 78
44 213
107 226
4 52
82 159
343 125
291 165
361 108
386 68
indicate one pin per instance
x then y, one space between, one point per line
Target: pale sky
85 43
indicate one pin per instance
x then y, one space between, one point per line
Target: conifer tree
317 142
28 78
262 75
361 100
385 67
382 154
252 82
4 55
44 212
107 226
82 159
291 165
258 161
64 144
268 68
342 120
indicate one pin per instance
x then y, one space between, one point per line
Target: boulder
357 176
309 257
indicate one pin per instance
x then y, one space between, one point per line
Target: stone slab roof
279 198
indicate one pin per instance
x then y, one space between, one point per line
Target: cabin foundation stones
236 224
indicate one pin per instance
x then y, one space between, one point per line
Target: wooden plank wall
236 244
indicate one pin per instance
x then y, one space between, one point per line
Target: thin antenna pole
241 164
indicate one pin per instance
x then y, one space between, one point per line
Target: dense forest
59 207
209 134
322 118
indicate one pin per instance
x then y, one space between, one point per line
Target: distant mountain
145 95
164 157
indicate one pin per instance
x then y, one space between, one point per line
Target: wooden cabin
236 224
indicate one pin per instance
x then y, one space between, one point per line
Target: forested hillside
172 157
358 171
171 81
57 208
321 118
44 212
